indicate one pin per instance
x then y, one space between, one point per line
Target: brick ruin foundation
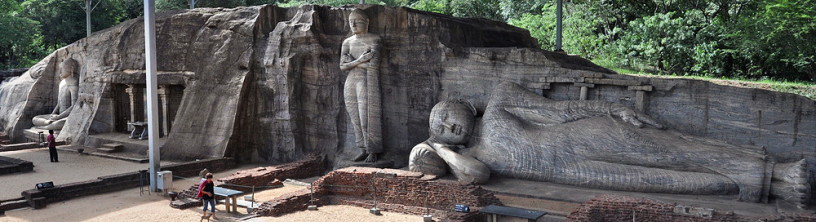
313 165
395 191
624 208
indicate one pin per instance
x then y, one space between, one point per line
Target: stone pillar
136 95
640 96
584 89
164 128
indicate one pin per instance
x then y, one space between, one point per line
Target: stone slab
558 192
514 212
13 165
19 146
115 156
617 82
640 88
32 134
588 85
592 75
12 205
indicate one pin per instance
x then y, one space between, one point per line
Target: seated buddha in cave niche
66 98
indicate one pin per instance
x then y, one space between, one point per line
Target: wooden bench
231 197
494 211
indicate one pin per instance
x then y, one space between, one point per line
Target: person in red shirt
207 194
52 146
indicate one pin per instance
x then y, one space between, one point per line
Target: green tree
488 9
63 21
777 41
17 38
581 35
440 6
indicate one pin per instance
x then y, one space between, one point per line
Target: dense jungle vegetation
742 39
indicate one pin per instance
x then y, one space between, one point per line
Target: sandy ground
270 194
72 167
128 205
339 213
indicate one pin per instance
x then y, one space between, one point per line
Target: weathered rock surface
263 83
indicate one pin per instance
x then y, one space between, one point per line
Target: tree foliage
772 39
766 39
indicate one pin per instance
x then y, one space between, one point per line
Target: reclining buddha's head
452 122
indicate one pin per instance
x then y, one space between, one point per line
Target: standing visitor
52 146
207 194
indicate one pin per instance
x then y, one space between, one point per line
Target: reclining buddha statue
595 144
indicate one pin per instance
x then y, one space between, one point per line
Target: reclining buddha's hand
633 117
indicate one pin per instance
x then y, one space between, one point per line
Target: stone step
19 146
13 205
120 157
552 218
111 147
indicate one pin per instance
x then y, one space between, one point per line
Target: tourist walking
207 194
52 146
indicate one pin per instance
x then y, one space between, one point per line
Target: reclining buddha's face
452 122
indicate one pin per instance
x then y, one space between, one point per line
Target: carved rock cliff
263 83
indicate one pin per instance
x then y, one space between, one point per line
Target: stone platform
130 146
13 165
562 195
33 135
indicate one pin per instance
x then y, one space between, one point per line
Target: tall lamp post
152 89
558 14
88 9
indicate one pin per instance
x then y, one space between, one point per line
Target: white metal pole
362 2
558 14
152 89
87 18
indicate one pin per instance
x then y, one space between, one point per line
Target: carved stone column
136 95
584 89
164 127
640 96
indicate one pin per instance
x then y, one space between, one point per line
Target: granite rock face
263 84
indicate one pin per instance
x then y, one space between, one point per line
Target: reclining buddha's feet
790 182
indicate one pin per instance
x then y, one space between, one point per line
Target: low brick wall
403 187
311 166
625 208
14 165
61 192
396 190
291 202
